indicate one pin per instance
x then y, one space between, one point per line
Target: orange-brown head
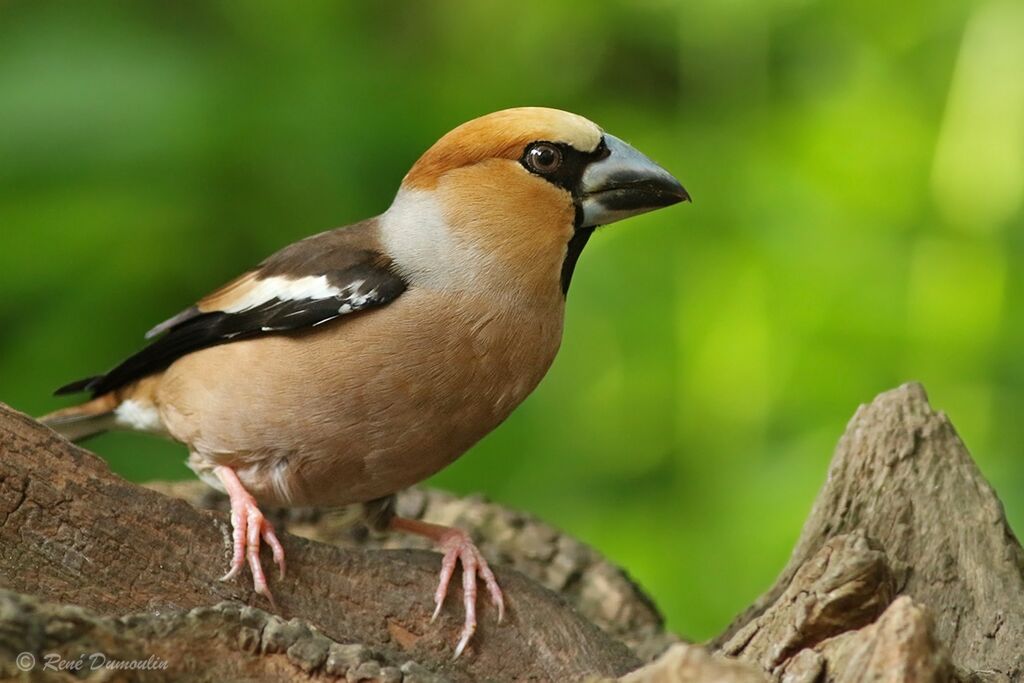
502 135
511 198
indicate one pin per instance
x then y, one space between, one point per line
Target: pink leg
248 526
457 547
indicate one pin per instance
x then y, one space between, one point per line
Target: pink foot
458 547
249 526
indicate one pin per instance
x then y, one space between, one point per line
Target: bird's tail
87 419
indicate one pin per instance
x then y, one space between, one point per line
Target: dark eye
543 158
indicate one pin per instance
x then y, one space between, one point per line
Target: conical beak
625 183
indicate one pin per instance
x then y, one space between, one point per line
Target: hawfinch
362 360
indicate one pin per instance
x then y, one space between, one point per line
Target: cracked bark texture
906 571
224 642
73 533
602 592
904 512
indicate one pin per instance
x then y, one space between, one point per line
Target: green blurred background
857 170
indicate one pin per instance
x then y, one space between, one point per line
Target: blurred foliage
857 170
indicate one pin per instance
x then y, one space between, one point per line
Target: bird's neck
430 252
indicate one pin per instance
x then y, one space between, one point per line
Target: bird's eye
543 158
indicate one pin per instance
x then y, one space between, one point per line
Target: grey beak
624 184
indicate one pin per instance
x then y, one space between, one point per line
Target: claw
270 538
248 528
468 556
448 563
458 548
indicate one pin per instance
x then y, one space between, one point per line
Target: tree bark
601 592
906 570
904 511
73 533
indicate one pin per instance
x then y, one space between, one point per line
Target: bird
359 361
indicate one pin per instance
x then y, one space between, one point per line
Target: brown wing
307 284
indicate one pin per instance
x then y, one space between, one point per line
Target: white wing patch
354 298
351 297
284 289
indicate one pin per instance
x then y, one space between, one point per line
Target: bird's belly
334 417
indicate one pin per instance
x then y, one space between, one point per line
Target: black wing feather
378 286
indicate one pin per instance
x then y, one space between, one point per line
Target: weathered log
684 663
597 589
906 571
904 511
225 642
73 533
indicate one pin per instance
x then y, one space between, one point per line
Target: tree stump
906 570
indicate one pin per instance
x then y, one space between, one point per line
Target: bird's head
513 196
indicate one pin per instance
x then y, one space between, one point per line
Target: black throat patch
578 240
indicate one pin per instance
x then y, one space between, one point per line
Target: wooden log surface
906 570
71 532
904 511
